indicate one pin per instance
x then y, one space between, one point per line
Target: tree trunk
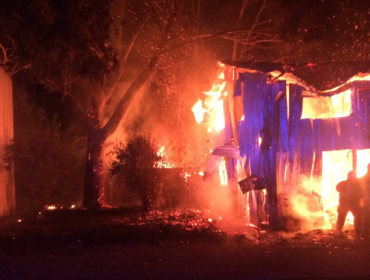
93 188
7 187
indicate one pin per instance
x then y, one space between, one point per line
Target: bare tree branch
262 23
245 4
254 24
4 61
129 48
125 101
195 39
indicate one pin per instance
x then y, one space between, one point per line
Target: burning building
287 134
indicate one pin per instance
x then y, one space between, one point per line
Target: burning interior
283 136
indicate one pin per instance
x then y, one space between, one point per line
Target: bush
136 166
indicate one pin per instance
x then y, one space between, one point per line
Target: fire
198 111
219 123
163 163
335 106
51 207
336 165
350 218
211 111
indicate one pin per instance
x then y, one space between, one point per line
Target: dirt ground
121 245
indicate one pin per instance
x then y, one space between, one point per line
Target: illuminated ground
118 245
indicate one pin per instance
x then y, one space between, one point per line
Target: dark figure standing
350 195
365 180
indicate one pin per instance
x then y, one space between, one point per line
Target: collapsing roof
322 78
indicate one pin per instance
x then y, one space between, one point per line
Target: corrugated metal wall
293 147
263 133
309 138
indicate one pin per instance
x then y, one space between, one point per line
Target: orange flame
213 106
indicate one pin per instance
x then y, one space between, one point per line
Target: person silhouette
350 195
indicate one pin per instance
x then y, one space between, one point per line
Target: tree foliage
48 164
136 166
59 41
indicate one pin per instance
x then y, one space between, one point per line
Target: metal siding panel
253 98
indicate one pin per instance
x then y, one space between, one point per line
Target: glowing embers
211 110
335 106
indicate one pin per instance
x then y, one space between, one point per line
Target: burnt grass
99 228
126 244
